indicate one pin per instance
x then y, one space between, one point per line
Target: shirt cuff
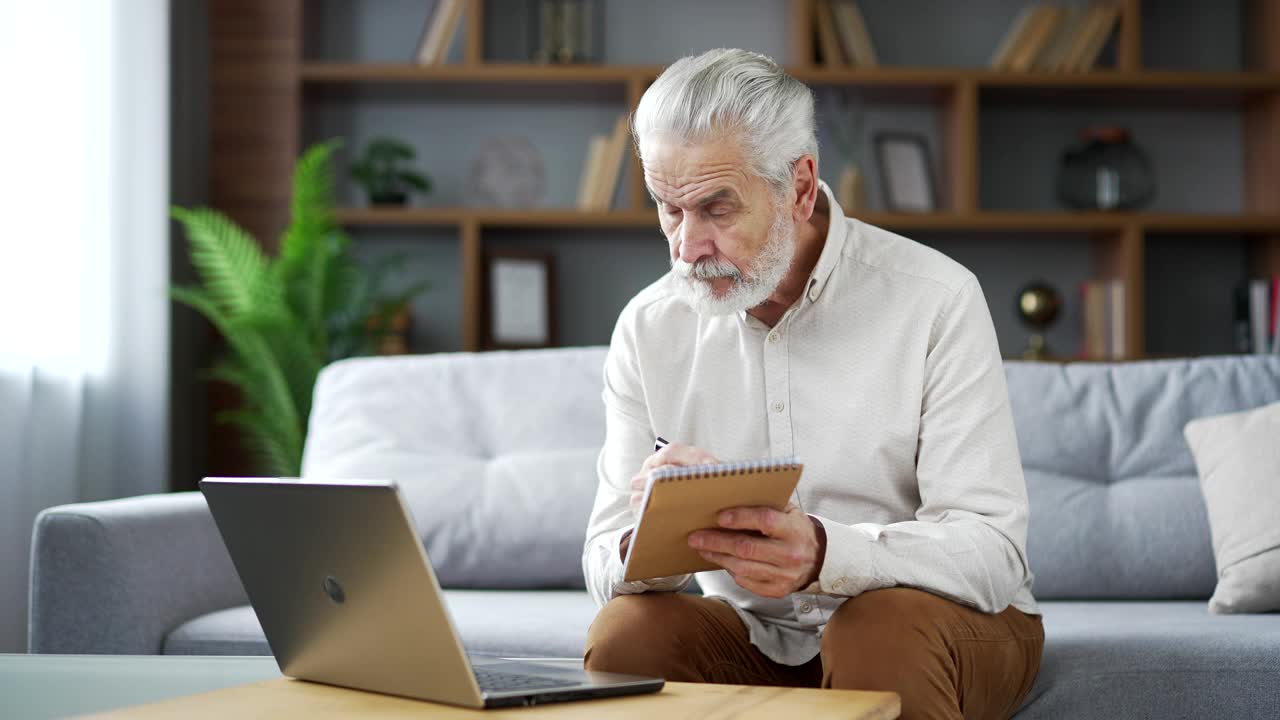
848 568
617 570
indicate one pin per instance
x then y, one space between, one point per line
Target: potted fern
286 317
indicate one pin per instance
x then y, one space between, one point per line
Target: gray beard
691 282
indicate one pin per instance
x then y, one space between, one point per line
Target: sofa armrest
117 576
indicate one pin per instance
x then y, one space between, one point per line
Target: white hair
702 97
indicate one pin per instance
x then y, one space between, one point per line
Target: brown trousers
944 659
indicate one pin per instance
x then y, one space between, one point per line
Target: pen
659 443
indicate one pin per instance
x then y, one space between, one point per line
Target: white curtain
84 265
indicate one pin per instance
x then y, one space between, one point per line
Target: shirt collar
832 249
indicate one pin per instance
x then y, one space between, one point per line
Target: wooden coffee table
146 686
285 698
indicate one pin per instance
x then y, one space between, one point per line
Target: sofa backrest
1116 506
496 454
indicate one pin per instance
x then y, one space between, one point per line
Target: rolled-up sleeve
968 539
628 441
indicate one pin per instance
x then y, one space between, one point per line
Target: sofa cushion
234 631
1155 659
494 452
1101 660
1116 508
1239 463
542 623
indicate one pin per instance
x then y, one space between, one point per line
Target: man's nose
697 239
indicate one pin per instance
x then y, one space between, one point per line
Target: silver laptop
346 596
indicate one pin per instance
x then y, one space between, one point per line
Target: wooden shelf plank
1011 221
480 73
904 77
494 217
997 221
1249 224
400 216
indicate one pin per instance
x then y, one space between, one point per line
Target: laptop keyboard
496 680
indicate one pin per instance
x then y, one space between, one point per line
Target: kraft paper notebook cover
680 500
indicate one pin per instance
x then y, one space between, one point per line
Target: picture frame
906 171
519 299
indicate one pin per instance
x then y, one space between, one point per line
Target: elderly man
786 328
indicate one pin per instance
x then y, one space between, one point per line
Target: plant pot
394 198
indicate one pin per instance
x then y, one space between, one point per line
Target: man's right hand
674 454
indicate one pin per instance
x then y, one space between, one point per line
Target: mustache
709 269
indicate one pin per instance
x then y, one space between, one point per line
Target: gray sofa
495 453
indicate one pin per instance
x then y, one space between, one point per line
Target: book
591 170
437 37
1013 37
1063 36
680 500
852 29
1089 24
1241 330
1259 312
610 166
828 43
1116 320
1094 299
1275 314
1043 25
1109 15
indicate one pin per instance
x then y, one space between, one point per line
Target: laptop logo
334 590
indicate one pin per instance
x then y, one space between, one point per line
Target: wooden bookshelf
1118 241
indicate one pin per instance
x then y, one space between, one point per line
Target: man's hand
673 454
784 557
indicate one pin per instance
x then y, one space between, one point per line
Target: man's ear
805 172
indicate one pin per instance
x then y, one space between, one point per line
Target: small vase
851 191
1107 171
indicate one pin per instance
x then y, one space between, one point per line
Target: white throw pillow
1238 458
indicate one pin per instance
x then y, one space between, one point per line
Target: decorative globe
1038 306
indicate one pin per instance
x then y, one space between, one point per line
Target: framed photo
906 174
519 299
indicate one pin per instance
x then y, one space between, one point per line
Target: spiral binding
740 467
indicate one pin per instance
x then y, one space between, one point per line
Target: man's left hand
787 558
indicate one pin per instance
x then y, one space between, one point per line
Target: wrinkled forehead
676 171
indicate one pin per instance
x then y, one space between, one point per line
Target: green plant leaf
262 439
415 180
308 242
232 266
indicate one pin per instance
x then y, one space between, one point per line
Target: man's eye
718 210
670 209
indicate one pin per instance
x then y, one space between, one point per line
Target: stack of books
1050 38
437 34
843 40
1104 320
603 167
1257 304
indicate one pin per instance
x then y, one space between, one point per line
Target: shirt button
813 292
805 607
839 583
774 336
779 407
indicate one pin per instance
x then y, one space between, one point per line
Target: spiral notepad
680 500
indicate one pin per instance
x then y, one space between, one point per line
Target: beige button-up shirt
885 380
